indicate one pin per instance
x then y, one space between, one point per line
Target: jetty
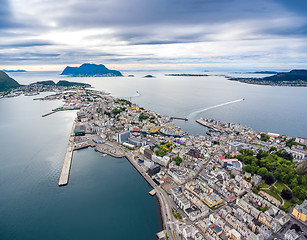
152 192
68 158
47 114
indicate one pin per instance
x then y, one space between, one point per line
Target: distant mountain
265 72
186 75
8 71
294 75
292 78
7 82
90 70
148 76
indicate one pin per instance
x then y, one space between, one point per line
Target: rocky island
91 70
294 78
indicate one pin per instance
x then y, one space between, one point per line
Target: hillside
293 78
90 70
7 82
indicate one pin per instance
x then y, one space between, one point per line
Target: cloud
159 31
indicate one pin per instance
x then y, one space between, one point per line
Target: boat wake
193 114
137 94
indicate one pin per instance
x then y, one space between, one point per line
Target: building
235 147
181 200
234 234
153 170
148 153
122 137
195 153
137 141
212 199
148 163
300 211
291 235
79 130
301 140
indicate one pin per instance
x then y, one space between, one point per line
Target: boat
103 155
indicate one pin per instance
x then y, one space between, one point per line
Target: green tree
263 172
178 160
299 192
248 168
294 183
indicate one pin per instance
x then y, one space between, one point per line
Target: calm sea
106 198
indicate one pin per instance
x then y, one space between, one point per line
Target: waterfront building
137 141
122 137
79 130
148 163
153 170
301 140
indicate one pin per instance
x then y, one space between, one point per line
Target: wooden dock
67 160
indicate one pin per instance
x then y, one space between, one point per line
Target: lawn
280 186
287 204
263 185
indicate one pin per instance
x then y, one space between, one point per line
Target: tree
264 137
272 149
296 227
293 183
299 192
269 179
248 168
178 160
263 172
286 194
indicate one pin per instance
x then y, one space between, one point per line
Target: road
165 203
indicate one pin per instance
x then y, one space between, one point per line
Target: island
91 70
206 185
18 71
149 76
6 82
294 78
186 75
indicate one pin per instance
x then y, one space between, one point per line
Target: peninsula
90 70
11 88
294 78
233 182
7 82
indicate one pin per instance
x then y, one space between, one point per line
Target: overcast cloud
148 34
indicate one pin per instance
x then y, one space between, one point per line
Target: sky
198 35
